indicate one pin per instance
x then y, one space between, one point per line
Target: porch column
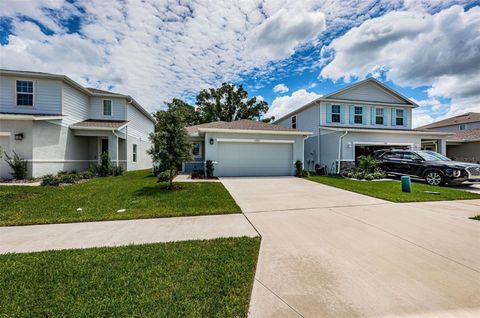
442 146
113 148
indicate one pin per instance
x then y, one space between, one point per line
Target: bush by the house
105 166
164 176
209 168
298 168
197 174
18 165
50 180
367 169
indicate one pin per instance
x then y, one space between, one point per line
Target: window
393 156
294 122
24 93
462 127
358 115
335 113
196 149
134 159
379 116
399 117
411 156
107 107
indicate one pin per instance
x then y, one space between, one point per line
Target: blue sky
286 52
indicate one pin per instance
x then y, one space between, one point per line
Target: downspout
113 132
340 150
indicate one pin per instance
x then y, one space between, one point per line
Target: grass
101 198
182 279
391 190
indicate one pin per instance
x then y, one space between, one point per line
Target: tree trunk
171 178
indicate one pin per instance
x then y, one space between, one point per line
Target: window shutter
352 114
329 113
342 114
406 118
386 116
394 117
364 115
372 115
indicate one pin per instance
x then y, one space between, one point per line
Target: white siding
307 120
138 124
138 130
47 96
118 108
368 92
75 105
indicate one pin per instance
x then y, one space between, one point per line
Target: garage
255 158
366 149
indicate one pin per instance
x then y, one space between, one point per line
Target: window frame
134 152
294 122
25 93
382 116
399 117
336 114
111 107
462 127
357 116
199 149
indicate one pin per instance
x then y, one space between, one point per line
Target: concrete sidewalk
33 238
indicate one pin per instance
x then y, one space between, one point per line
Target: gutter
340 150
116 161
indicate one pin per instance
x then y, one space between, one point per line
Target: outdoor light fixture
18 136
211 141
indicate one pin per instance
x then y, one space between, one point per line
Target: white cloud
280 88
285 104
416 49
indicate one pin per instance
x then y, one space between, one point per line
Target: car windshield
432 156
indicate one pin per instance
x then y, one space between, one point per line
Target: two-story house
464 143
355 121
57 124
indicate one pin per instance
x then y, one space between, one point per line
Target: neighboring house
245 148
355 121
57 124
464 144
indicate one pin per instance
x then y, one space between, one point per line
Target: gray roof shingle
243 124
460 119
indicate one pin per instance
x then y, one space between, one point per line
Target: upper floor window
134 152
107 107
358 115
379 116
294 122
24 92
196 149
399 117
335 113
462 127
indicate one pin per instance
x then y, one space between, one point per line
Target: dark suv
429 165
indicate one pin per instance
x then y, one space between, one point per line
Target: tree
187 112
228 103
170 139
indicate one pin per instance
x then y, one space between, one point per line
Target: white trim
5 134
64 161
245 131
380 143
270 141
111 108
386 131
33 93
96 128
134 152
28 117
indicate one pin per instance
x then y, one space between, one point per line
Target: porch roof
92 124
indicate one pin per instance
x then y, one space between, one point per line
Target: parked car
431 166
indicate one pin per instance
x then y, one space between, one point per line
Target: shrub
209 168
367 163
116 171
105 166
164 176
305 174
18 165
89 174
50 180
298 168
197 174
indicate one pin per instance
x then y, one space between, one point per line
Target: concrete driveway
327 252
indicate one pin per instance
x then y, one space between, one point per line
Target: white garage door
254 159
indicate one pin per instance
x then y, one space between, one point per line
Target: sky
285 52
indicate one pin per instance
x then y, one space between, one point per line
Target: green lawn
391 190
182 279
101 198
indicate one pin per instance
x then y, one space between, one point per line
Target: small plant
164 176
50 180
197 174
105 166
305 174
209 168
18 165
298 168
367 163
116 171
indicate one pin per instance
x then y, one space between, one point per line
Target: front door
103 148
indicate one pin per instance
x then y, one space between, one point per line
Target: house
355 121
245 148
464 143
57 124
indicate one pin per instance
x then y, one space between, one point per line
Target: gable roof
88 91
239 125
332 97
456 120
99 124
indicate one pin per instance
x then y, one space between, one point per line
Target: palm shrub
298 168
367 163
209 168
18 165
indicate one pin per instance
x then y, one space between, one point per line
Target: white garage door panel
254 159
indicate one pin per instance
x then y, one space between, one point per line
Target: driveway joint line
317 207
281 299
406 240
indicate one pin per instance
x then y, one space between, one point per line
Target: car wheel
434 178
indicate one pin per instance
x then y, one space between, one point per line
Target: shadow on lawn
156 190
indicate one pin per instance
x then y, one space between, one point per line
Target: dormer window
358 115
335 113
399 117
107 107
24 91
294 122
462 127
